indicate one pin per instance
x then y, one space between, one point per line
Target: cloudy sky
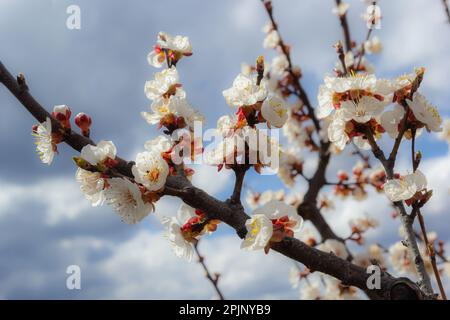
45 223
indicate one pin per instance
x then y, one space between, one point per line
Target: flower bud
342 175
83 121
81 163
62 113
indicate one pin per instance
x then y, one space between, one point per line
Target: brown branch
213 279
179 186
416 210
407 220
239 171
446 8
299 90
369 33
432 254
308 209
403 127
345 29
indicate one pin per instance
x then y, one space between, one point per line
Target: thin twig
407 220
428 245
300 92
369 33
345 29
431 252
213 279
446 8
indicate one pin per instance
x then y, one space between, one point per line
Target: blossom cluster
354 106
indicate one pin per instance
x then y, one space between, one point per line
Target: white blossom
289 160
373 46
245 91
272 40
399 257
44 141
180 46
274 111
337 133
341 9
259 231
333 85
349 60
151 170
334 290
163 109
362 110
275 209
165 82
405 187
187 112
294 277
279 65
182 247
160 109
364 224
270 195
159 144
425 112
226 125
97 154
260 226
390 120
176 43
227 150
445 133
310 292
447 269
125 198
92 185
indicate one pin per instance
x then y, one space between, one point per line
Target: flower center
153 175
255 228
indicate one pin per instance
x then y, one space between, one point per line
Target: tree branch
407 220
214 280
348 273
416 210
299 90
446 8
239 171
369 33
308 209
345 29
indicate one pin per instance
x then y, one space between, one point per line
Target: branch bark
446 8
407 220
308 209
180 186
345 29
213 279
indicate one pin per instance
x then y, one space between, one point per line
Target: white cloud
62 196
148 256
207 178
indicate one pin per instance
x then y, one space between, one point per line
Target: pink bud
62 113
34 128
342 175
83 121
